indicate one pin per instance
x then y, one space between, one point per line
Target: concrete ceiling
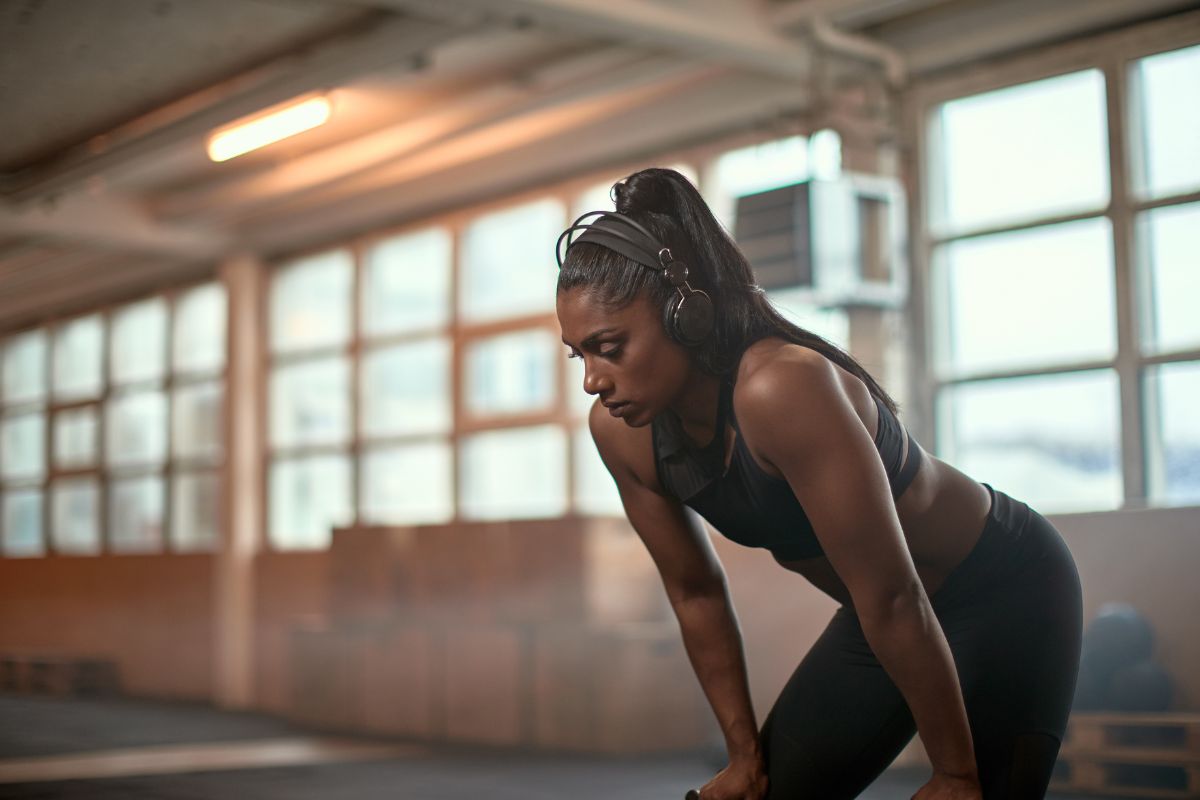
105 106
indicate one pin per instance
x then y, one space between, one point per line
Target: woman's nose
594 382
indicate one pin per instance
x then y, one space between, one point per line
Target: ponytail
667 203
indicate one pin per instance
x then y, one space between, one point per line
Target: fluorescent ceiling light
261 131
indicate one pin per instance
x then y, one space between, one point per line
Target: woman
960 615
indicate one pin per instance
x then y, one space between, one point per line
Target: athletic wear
1012 614
745 503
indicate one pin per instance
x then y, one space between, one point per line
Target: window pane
508 266
308 498
310 303
136 515
77 362
23 446
408 485
195 504
1021 152
75 505
1052 441
406 389
138 341
1170 122
1170 246
24 378
1175 463
595 490
310 403
136 429
196 421
512 373
999 300
407 283
22 522
75 438
515 474
200 326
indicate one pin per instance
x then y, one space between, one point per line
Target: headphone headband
618 232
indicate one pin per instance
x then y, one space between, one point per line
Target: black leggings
1013 617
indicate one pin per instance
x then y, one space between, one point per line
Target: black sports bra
746 504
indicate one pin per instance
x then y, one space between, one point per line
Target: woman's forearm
910 645
714 644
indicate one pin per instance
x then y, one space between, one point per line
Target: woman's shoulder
780 381
772 365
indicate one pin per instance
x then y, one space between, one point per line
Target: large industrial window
110 432
1061 223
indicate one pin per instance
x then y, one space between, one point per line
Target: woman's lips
618 409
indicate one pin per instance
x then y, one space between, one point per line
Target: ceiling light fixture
264 129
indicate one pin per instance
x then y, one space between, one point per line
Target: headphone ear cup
670 324
689 318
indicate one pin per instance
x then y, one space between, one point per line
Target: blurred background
289 445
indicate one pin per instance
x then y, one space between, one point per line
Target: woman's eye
612 352
573 354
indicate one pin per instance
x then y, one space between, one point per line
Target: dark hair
667 203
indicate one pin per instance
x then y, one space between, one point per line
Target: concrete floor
101 749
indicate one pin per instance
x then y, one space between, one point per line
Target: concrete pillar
241 535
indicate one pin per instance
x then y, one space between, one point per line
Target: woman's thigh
840 720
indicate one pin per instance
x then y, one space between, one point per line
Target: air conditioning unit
843 240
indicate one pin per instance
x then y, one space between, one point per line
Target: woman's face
629 362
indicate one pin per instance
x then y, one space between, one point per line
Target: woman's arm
692 576
795 411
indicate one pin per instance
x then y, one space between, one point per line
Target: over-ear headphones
688 314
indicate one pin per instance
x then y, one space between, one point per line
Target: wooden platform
1131 755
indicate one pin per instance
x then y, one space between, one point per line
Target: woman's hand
743 779
947 787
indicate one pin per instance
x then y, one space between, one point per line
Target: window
1030 347
90 451
362 403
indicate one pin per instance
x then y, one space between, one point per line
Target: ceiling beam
849 14
109 224
738 34
963 34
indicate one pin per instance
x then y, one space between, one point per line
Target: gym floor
101 749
